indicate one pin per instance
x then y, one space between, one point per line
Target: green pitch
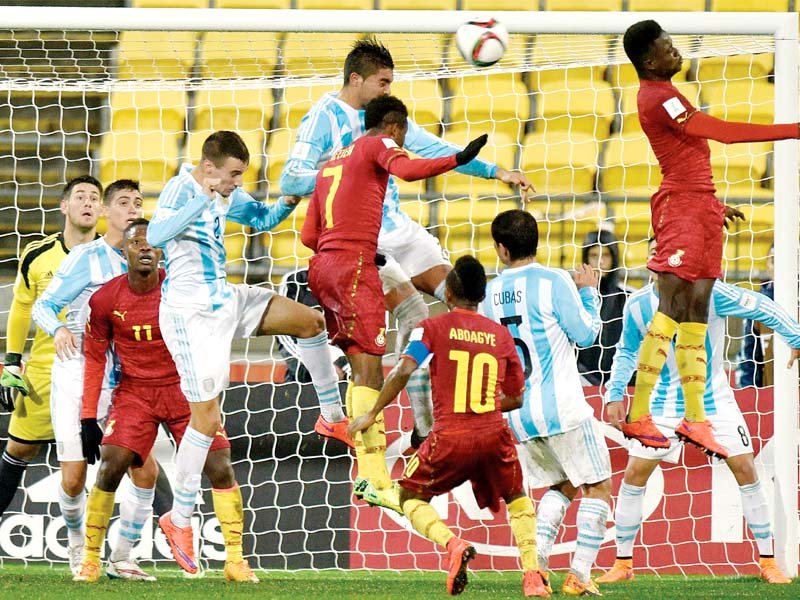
33 583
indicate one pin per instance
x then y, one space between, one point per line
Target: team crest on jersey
110 427
380 339
676 260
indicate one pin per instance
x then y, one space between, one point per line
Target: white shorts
66 399
579 455
200 340
413 248
730 430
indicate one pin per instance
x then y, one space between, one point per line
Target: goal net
108 92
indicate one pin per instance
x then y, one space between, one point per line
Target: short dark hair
383 110
81 179
366 58
638 42
518 231
119 185
140 222
467 280
222 144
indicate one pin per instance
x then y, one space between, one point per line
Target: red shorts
138 410
688 229
349 289
487 457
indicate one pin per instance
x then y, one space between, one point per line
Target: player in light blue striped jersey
415 260
548 312
85 269
667 402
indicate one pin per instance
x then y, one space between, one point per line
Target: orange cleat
575 587
621 571
700 434
645 431
90 571
336 431
239 571
181 542
771 572
546 581
533 585
460 554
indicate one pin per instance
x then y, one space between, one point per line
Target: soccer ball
482 42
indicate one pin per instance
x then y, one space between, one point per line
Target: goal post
576 205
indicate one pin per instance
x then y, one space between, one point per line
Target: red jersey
472 359
685 160
129 320
346 208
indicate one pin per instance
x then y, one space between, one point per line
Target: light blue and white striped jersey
190 227
84 270
332 124
727 300
546 314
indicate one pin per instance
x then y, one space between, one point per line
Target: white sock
549 516
419 396
628 517
316 357
756 514
73 509
438 293
134 514
408 313
189 462
591 522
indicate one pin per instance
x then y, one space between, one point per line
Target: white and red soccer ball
482 42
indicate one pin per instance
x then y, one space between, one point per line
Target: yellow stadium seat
305 54
673 5
551 53
750 5
631 220
630 113
283 243
560 163
297 100
739 164
279 144
232 55
149 206
254 140
751 101
419 210
155 54
235 248
500 150
145 109
587 108
414 52
630 167
466 227
490 103
253 3
621 71
716 66
169 3
149 157
423 98
491 5
338 5
233 109
582 5
418 4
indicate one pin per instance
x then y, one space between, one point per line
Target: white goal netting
560 107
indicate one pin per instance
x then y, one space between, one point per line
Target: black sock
162 503
11 470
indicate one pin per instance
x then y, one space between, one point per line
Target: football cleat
621 571
546 581
89 571
533 585
771 572
645 431
388 498
127 569
460 554
75 556
575 587
335 431
239 571
700 434
181 542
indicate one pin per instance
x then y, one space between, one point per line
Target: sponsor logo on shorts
208 384
380 339
676 259
110 427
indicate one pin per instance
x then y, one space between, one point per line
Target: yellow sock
348 399
522 518
652 356
370 444
692 359
424 518
229 511
98 513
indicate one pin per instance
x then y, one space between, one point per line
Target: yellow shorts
30 421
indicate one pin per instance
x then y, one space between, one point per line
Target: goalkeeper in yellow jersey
26 393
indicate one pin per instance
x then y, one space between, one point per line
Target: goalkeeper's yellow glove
11 381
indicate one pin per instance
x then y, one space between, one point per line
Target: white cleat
75 556
127 569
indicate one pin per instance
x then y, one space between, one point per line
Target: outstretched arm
259 215
397 161
700 124
299 174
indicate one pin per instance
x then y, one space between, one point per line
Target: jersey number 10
479 402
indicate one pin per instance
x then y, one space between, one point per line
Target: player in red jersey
124 312
341 227
687 221
475 376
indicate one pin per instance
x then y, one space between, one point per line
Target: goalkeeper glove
91 437
11 381
472 149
